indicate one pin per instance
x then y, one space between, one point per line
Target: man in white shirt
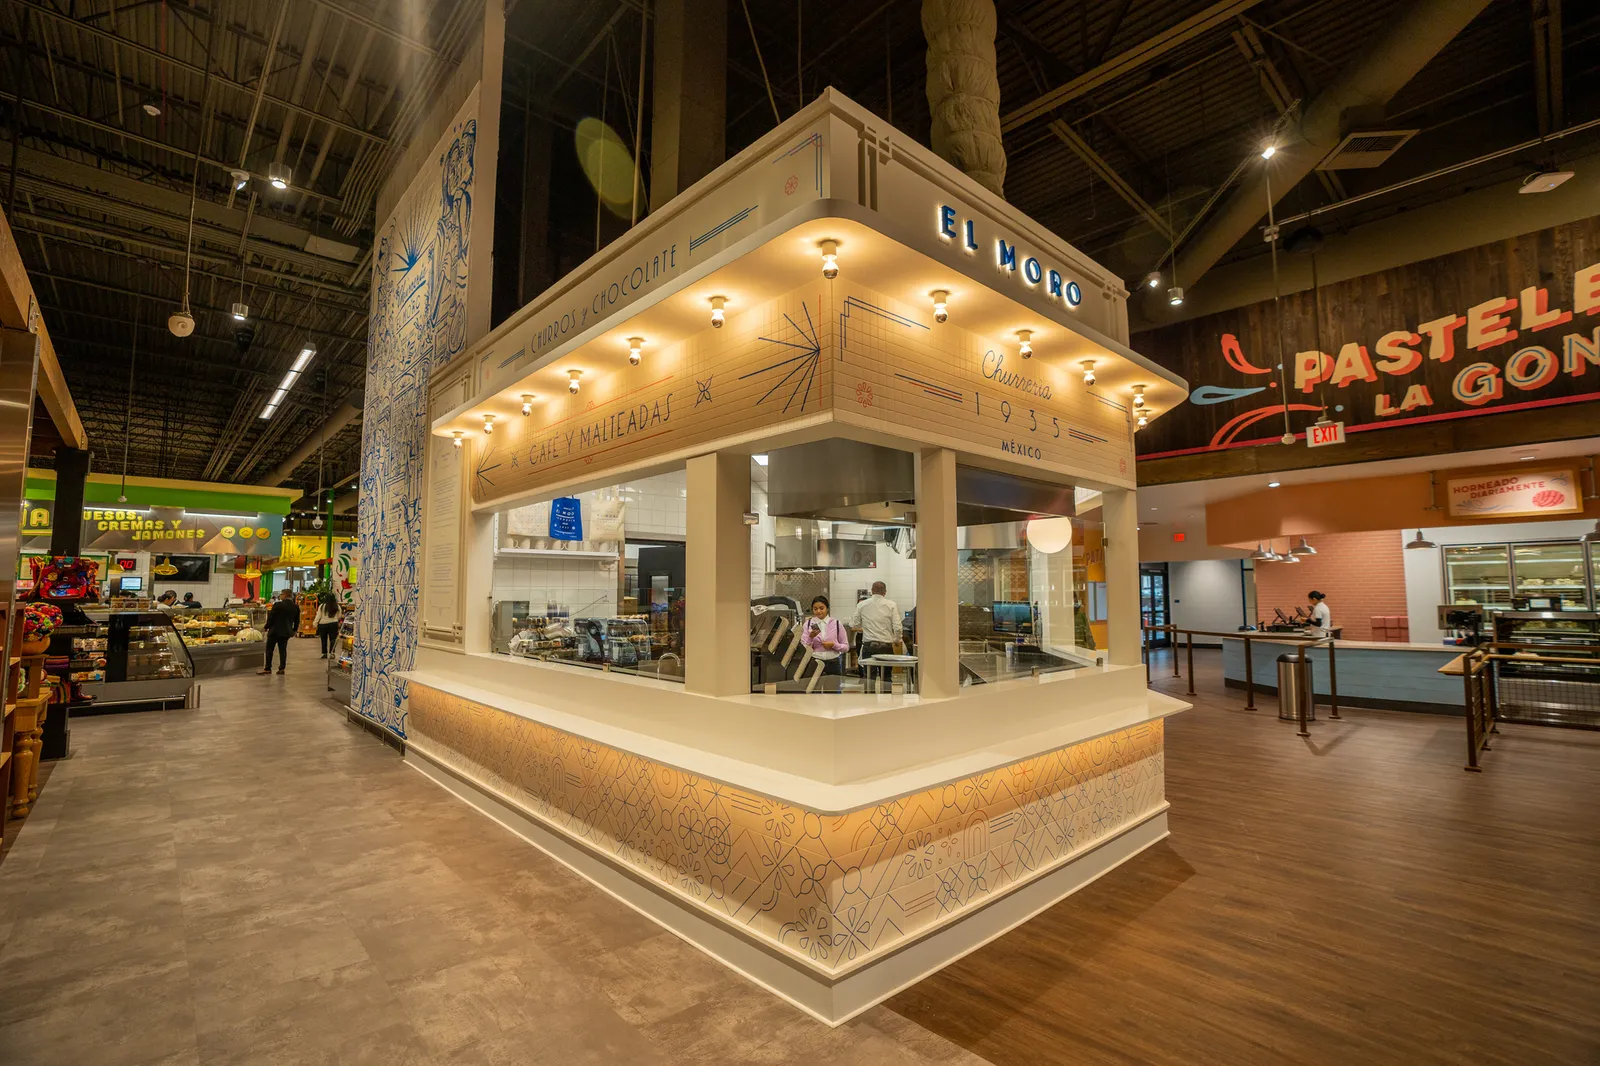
878 618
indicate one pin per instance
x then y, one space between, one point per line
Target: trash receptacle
1293 686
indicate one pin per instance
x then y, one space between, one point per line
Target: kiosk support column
717 575
938 672
1121 510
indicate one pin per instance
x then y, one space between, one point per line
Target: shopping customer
1321 618
878 618
328 615
825 636
282 621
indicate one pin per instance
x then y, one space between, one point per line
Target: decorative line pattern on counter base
831 890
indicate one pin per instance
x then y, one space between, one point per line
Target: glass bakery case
221 640
1533 689
1478 574
1552 570
131 657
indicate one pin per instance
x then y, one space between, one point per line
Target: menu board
442 537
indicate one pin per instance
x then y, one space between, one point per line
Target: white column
477 587
717 575
938 673
1120 508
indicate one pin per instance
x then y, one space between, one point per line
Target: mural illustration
418 324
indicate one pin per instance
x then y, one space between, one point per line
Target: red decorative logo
1122 466
1549 498
864 393
791 185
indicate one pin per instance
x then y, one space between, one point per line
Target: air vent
1365 148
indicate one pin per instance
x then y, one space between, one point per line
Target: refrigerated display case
1478 573
221 640
1532 689
1556 568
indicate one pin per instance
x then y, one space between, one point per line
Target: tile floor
257 881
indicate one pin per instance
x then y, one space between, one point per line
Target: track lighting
1175 296
1025 343
488 424
830 259
634 344
457 440
1153 279
240 312
1138 396
572 380
1088 371
717 303
941 300
279 175
527 404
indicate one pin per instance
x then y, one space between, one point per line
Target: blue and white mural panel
418 324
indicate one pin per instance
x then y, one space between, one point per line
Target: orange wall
1397 502
1363 574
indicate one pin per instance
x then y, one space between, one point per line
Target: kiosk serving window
595 579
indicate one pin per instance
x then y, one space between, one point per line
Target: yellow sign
300 550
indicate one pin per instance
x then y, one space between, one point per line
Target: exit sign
1321 433
1179 538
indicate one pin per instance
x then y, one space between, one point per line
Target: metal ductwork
346 413
1357 96
963 88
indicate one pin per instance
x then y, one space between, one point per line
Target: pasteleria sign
1537 493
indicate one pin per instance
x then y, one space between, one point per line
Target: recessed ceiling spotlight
634 346
830 259
527 404
717 304
941 300
572 380
1025 343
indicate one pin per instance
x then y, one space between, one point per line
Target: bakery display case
1555 570
130 657
1530 688
221 640
1478 574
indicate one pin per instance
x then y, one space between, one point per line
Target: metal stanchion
1144 637
1172 633
1307 693
1190 638
1249 678
1333 685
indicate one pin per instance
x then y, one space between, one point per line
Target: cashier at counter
1321 618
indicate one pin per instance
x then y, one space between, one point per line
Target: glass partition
595 580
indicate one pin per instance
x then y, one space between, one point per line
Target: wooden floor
1352 898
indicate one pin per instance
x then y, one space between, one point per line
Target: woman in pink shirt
825 636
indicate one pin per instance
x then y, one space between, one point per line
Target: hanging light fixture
572 380
1263 555
1088 371
1268 150
151 108
1153 279
279 176
488 424
1419 541
527 404
457 440
830 259
1025 343
1289 557
1593 536
941 300
634 346
316 523
1175 296
1138 396
241 178
1303 548
240 312
717 303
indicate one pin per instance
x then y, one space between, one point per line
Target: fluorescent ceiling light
306 355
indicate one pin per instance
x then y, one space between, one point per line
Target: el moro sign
1502 327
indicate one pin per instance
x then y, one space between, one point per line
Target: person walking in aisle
328 616
282 621
878 618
